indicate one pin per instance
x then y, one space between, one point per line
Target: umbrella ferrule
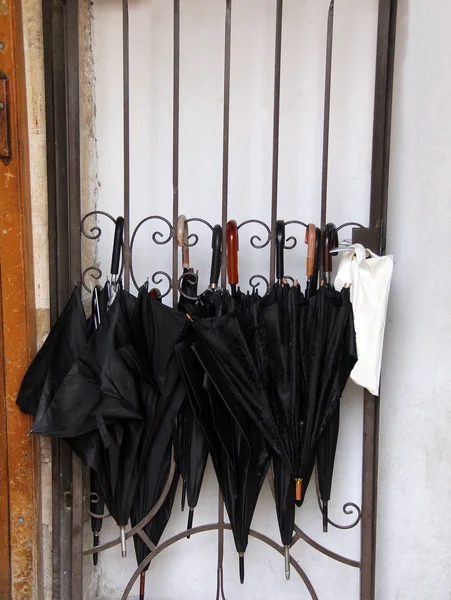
287 562
298 488
123 541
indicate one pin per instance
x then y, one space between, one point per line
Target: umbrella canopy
330 354
239 452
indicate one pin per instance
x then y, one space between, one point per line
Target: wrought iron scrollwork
256 241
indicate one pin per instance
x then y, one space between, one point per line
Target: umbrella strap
103 431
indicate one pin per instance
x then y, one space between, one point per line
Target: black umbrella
283 311
330 355
240 459
327 443
192 450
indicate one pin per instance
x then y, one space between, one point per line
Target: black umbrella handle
117 246
216 257
316 267
280 243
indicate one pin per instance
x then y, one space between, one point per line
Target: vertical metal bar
60 24
275 143
175 148
126 101
326 123
74 210
226 134
379 197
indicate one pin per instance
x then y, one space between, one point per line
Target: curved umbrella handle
280 243
310 240
316 267
232 252
182 240
216 257
117 245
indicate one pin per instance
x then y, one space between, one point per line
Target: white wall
413 521
414 526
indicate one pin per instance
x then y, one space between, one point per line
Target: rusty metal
226 133
385 54
326 122
275 137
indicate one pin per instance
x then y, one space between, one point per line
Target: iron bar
126 125
175 146
226 135
326 122
385 52
275 141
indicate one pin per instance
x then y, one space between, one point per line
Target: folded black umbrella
239 452
331 354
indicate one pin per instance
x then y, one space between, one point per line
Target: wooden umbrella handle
182 240
232 252
310 240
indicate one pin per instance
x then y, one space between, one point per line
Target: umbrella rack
61 28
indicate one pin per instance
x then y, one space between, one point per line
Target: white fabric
370 276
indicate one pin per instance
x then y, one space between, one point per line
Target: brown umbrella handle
232 252
310 240
182 240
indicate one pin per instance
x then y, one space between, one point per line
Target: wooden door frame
19 460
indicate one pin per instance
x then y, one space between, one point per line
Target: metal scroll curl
159 238
256 241
291 241
193 236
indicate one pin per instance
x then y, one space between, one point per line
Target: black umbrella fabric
284 311
151 485
61 349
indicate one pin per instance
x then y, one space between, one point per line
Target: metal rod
275 143
326 122
386 36
126 125
123 541
175 148
226 134
287 562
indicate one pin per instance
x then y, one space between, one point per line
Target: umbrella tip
325 517
287 562
241 567
190 520
95 556
142 585
123 541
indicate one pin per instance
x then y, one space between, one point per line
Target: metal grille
62 68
